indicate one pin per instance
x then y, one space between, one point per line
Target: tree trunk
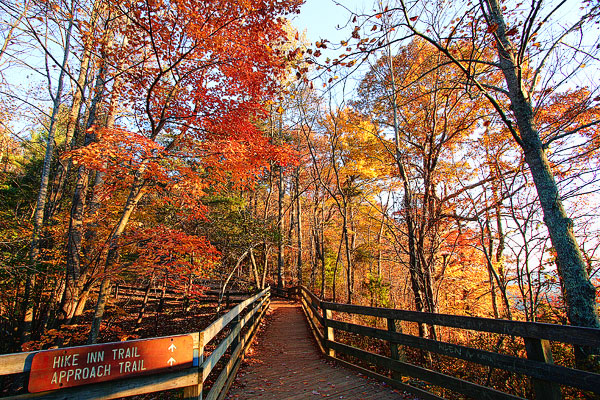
135 194
579 293
81 303
38 216
348 255
265 266
418 278
78 209
163 293
144 305
321 239
280 230
103 294
64 165
298 228
254 267
188 288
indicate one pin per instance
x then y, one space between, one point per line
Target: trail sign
74 366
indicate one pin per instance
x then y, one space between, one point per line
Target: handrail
538 366
248 313
560 333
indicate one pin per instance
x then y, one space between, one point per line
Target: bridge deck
284 363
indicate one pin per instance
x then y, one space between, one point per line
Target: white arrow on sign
172 347
171 361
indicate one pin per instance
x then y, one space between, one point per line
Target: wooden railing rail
248 314
546 377
208 296
288 293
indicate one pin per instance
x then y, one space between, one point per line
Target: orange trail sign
74 366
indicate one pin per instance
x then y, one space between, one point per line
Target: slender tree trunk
298 228
188 288
38 216
280 229
348 255
322 254
337 264
144 305
103 295
135 194
81 303
163 293
417 276
64 165
254 267
379 242
265 266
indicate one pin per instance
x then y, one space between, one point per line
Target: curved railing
247 314
538 366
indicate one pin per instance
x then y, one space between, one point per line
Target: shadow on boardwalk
284 363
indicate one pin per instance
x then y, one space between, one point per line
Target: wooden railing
247 314
546 377
207 296
287 293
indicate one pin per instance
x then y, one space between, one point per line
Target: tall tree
429 116
536 54
185 87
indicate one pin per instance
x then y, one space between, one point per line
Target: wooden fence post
234 322
396 352
329 335
195 392
539 350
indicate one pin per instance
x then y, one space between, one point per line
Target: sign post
75 366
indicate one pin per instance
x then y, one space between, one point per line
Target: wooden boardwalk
284 363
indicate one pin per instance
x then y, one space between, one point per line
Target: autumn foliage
196 143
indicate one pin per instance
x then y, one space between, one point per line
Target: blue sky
320 17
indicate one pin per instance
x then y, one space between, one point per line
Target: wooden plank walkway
284 363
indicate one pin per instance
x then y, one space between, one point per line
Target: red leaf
492 28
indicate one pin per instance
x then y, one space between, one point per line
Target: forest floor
120 320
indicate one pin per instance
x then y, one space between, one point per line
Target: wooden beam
560 333
328 333
120 388
436 378
533 367
218 325
547 389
